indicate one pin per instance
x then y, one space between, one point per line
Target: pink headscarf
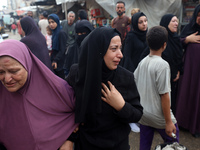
39 116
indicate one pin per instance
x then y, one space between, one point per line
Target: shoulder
161 64
124 75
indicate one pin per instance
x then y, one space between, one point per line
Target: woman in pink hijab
36 106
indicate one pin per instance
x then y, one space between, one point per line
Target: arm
112 25
165 102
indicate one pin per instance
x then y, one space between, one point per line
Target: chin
12 90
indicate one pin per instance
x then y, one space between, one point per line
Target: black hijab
173 52
35 40
90 72
192 27
80 27
134 22
74 50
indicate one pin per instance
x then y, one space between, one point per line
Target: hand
68 145
177 76
112 96
170 127
54 65
193 38
75 130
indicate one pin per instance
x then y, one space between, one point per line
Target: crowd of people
67 85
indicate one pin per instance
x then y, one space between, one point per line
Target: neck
157 53
121 16
70 23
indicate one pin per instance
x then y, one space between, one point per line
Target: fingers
103 92
195 33
105 87
110 85
75 130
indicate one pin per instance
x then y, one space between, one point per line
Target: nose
7 78
120 55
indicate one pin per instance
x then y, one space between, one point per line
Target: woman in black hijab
135 42
189 89
107 99
82 28
173 53
35 41
59 39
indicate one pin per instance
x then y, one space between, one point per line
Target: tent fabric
154 9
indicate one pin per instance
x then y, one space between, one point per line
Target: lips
9 84
116 62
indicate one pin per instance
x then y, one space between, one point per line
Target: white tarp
153 9
58 2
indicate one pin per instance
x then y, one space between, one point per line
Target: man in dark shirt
121 21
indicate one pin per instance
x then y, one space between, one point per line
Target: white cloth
43 23
152 79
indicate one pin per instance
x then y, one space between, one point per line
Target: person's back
43 23
153 82
154 74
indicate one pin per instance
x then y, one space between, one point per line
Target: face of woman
12 74
198 18
142 23
52 24
113 54
173 24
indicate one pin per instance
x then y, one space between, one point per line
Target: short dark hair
120 2
82 14
45 14
156 37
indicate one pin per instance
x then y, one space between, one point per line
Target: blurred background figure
13 26
69 28
43 23
135 42
121 21
173 54
19 28
83 28
82 14
48 37
35 40
59 41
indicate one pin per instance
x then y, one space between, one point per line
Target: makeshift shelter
154 9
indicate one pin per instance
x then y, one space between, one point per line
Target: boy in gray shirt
153 82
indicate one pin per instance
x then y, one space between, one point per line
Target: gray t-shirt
152 77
